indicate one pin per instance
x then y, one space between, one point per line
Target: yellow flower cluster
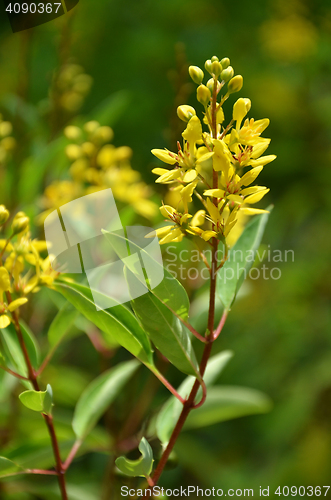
70 87
218 165
22 269
7 142
96 164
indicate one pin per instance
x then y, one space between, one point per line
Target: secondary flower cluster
70 87
22 269
7 142
96 164
218 165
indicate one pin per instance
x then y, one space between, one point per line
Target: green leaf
170 291
13 351
167 333
31 344
62 323
7 467
155 309
118 323
40 401
226 403
99 395
240 260
142 466
171 410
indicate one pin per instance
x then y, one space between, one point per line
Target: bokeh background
280 330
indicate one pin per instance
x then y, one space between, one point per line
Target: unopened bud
203 94
20 223
105 134
5 129
211 83
235 84
216 68
73 152
71 132
225 62
90 127
214 59
185 112
196 74
248 104
4 214
227 74
208 64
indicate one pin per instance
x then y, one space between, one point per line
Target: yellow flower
186 160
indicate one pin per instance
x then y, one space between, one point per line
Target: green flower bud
227 74
19 223
210 85
196 74
203 94
214 58
216 68
235 84
208 64
4 214
225 62
185 112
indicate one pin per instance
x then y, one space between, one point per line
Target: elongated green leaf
118 323
226 403
31 344
99 395
142 466
62 323
170 412
8 467
155 309
170 291
13 351
40 401
167 332
240 260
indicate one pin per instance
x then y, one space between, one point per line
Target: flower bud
214 59
208 64
5 129
90 127
185 112
248 104
8 143
73 152
216 68
235 84
196 74
4 214
19 223
104 134
203 94
225 62
73 133
210 85
227 74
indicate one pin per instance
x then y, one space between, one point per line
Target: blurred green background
280 330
